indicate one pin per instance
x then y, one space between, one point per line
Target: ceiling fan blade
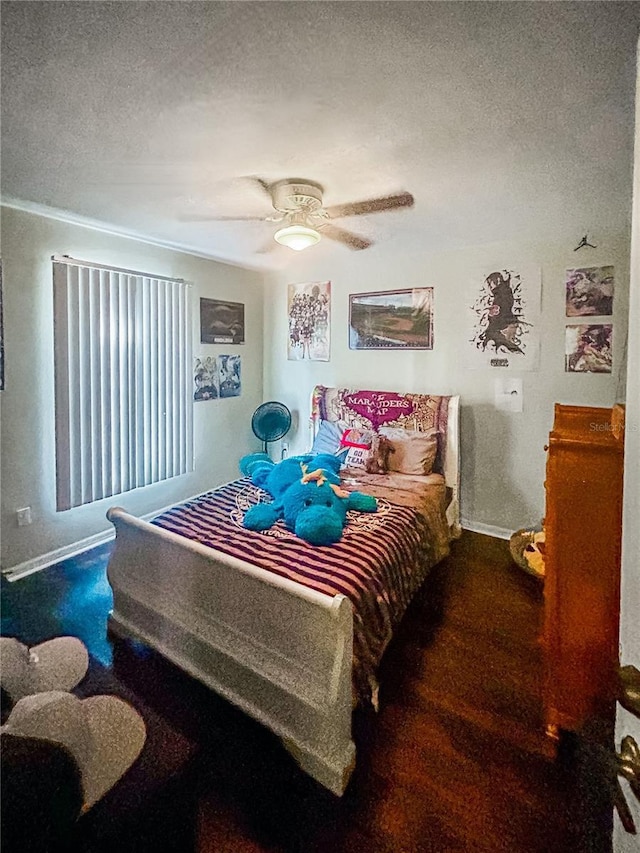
264 185
346 237
195 217
373 205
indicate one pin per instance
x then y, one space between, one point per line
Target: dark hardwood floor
455 760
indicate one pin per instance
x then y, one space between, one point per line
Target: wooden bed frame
278 650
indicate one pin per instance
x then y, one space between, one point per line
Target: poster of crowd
309 316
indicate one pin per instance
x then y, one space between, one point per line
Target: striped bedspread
379 563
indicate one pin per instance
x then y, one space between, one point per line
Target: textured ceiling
505 120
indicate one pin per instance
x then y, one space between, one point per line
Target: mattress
379 563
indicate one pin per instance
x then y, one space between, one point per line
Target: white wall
502 453
222 427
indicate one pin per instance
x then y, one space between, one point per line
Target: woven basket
517 546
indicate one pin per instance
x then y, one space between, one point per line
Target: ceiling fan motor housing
291 196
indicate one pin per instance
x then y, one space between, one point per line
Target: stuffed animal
306 494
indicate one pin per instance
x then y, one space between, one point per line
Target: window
123 380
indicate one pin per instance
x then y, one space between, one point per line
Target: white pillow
413 452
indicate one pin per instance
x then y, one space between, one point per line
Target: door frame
626 724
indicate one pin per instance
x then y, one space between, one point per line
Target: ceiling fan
297 204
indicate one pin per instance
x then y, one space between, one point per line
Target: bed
289 632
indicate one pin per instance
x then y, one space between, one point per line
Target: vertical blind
123 381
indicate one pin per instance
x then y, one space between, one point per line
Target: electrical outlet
24 516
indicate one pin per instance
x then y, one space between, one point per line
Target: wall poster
221 322
391 319
229 371
217 378
588 348
205 377
309 308
503 314
589 292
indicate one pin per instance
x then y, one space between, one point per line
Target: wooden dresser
583 520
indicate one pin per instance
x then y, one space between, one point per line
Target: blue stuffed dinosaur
306 493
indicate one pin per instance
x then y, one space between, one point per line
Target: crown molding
116 231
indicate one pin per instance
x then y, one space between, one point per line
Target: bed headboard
373 409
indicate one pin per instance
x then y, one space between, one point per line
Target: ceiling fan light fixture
297 237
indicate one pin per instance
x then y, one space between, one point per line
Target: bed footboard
277 650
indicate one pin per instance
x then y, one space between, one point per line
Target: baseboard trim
486 529
36 564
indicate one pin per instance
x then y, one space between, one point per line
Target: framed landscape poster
391 319
221 322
